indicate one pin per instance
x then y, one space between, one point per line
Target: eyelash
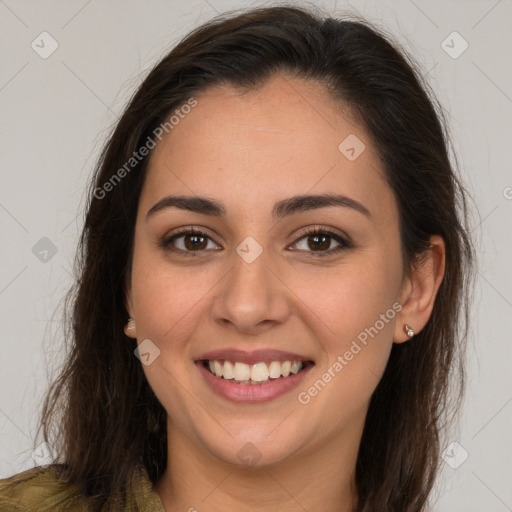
344 243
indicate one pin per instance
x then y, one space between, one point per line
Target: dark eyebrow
281 209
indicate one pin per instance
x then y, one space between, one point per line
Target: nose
252 298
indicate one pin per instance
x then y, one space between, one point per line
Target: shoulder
41 489
44 489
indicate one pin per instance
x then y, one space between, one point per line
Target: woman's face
255 288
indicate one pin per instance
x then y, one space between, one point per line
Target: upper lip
256 356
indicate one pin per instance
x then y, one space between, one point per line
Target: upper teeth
259 372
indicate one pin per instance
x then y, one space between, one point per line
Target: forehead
257 147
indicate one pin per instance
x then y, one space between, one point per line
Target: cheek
350 298
166 298
356 308
169 302
357 305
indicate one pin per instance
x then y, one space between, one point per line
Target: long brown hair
101 415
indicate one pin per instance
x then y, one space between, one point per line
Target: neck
197 480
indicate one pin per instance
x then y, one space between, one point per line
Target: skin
249 151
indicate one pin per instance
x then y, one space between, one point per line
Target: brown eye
189 241
321 241
316 242
193 242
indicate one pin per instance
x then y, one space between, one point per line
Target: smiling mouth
259 373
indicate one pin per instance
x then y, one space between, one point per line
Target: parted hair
100 414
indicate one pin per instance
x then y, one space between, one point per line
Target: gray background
56 113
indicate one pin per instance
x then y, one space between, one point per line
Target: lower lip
252 392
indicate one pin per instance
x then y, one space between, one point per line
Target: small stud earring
129 327
408 331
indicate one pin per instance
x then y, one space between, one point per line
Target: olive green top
39 489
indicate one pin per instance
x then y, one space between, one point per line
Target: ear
419 290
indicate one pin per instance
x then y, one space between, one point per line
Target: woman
273 267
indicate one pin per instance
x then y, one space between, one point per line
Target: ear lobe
129 329
420 290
